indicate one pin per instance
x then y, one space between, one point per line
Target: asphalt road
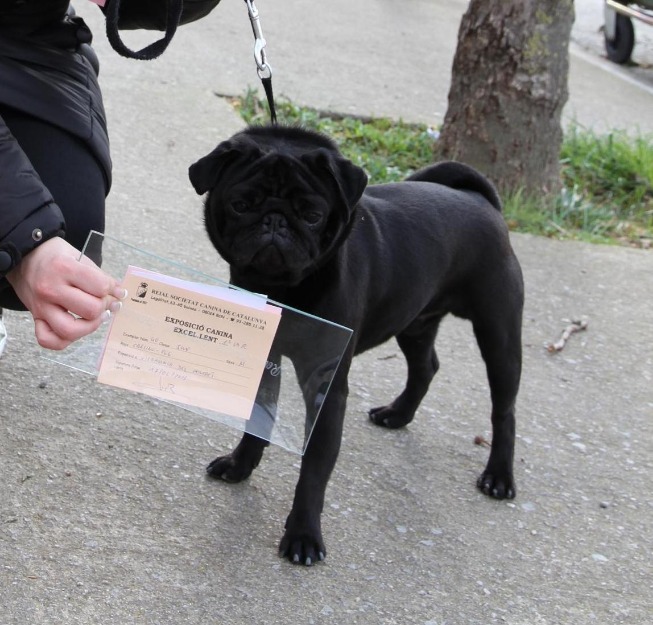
105 513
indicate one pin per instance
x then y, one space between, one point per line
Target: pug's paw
390 417
497 486
228 468
302 544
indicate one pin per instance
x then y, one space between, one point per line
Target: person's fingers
119 292
45 337
53 282
114 306
55 302
64 331
83 276
114 290
83 290
93 281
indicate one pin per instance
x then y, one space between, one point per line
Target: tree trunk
509 85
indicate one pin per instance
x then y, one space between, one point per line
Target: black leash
173 19
263 68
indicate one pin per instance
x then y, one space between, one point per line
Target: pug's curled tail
459 176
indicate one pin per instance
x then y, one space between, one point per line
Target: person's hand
68 298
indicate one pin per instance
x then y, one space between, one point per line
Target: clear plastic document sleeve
194 341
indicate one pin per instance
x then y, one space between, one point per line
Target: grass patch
607 180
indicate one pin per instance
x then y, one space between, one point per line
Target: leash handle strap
153 50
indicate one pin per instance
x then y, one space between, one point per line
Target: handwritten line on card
204 346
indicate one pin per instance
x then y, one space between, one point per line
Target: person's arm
28 213
41 267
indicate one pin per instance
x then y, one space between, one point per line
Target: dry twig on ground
576 325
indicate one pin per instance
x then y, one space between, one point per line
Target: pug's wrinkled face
275 209
273 223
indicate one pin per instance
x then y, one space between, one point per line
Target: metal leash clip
262 66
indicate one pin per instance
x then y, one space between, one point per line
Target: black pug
296 220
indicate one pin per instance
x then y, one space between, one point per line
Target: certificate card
189 343
195 342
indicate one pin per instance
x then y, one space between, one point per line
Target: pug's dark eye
312 218
239 206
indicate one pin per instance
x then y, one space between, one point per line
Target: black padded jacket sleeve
28 213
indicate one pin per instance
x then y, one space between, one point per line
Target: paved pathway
105 515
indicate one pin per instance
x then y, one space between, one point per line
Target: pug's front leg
302 542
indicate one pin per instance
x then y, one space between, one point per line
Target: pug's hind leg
239 464
422 364
500 344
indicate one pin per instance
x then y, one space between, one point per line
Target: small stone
605 504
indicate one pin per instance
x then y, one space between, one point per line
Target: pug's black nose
275 222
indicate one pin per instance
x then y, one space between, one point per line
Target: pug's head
280 201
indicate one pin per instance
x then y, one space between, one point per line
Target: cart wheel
621 47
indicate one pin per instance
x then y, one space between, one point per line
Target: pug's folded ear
350 179
204 173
